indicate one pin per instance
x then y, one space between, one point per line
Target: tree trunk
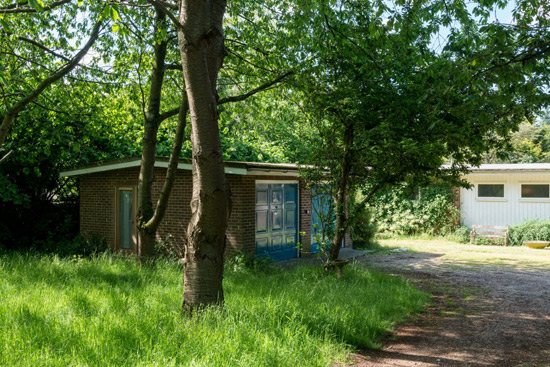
342 195
201 45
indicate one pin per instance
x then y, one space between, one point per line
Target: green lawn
109 311
457 254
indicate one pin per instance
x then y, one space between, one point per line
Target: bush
90 245
363 230
170 248
461 234
432 213
244 261
533 230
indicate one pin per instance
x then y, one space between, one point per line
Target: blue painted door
321 204
277 220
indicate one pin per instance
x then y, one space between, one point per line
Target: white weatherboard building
506 194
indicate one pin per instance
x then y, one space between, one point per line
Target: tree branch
173 112
162 203
161 6
262 87
172 67
14 8
56 54
6 156
16 108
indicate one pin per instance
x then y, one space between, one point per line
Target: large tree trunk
201 45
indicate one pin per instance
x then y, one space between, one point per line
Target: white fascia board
505 173
105 168
259 172
136 163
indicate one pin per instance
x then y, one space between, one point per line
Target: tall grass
109 311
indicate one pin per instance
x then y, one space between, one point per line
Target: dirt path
483 315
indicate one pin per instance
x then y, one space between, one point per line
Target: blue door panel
320 206
276 244
261 246
276 220
261 221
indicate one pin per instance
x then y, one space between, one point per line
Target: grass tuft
109 311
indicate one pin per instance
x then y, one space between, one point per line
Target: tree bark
146 248
342 196
200 39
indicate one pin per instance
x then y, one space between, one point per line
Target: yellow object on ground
536 244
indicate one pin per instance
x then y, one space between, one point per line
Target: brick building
271 206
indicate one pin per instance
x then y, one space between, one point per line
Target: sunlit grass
109 311
457 254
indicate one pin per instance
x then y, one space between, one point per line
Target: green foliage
461 234
248 261
531 230
363 229
432 213
529 144
81 246
170 248
108 311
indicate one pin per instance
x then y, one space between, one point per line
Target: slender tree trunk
342 195
202 52
147 234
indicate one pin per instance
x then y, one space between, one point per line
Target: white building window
535 191
488 191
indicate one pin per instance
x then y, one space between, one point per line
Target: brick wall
305 218
456 197
98 205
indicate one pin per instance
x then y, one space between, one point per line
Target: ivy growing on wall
408 211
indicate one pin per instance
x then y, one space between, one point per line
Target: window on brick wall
126 234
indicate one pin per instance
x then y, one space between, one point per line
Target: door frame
117 219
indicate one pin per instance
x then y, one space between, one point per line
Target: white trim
507 173
267 172
276 182
491 199
534 200
137 163
109 167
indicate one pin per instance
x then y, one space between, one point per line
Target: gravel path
481 316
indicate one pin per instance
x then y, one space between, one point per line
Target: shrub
534 230
461 234
363 230
243 261
170 248
89 245
432 213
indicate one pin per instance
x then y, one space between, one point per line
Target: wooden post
473 237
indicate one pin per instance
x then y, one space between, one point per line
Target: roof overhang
234 168
511 169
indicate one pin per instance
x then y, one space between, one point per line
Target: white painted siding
508 211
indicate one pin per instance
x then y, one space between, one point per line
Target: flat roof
511 167
231 167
